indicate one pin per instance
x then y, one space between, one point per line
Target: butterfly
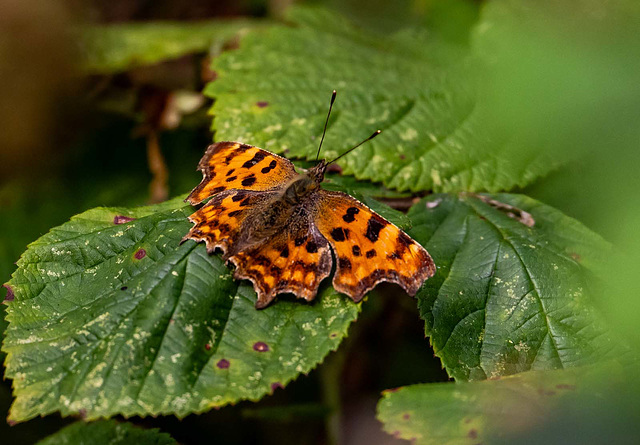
278 227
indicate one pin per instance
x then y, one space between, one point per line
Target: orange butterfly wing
287 262
218 223
368 248
232 165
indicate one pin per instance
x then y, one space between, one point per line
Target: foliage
113 315
420 91
116 48
508 297
507 410
107 432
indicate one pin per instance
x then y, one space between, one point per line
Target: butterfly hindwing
368 248
288 262
219 223
232 165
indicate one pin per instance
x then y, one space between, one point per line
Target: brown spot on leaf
473 434
124 288
223 363
406 416
10 296
260 346
262 104
566 386
140 254
121 219
207 347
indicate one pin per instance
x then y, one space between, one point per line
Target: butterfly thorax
305 184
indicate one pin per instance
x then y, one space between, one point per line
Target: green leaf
479 412
114 48
273 92
507 297
107 432
122 319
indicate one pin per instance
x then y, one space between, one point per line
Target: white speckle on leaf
435 177
409 135
272 128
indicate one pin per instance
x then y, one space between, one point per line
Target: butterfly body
279 228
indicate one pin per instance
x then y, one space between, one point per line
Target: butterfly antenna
333 99
376 133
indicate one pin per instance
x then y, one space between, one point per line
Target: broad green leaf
114 48
122 319
494 411
107 432
508 297
273 92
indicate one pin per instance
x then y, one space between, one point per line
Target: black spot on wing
269 167
230 172
238 197
350 216
340 234
259 156
232 178
356 250
312 247
284 253
249 181
370 253
374 226
344 263
235 213
300 241
218 189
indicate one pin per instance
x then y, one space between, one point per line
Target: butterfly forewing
232 165
368 248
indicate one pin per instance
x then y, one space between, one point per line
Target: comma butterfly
278 227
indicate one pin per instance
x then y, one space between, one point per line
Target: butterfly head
316 173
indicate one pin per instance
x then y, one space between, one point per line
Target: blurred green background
563 74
